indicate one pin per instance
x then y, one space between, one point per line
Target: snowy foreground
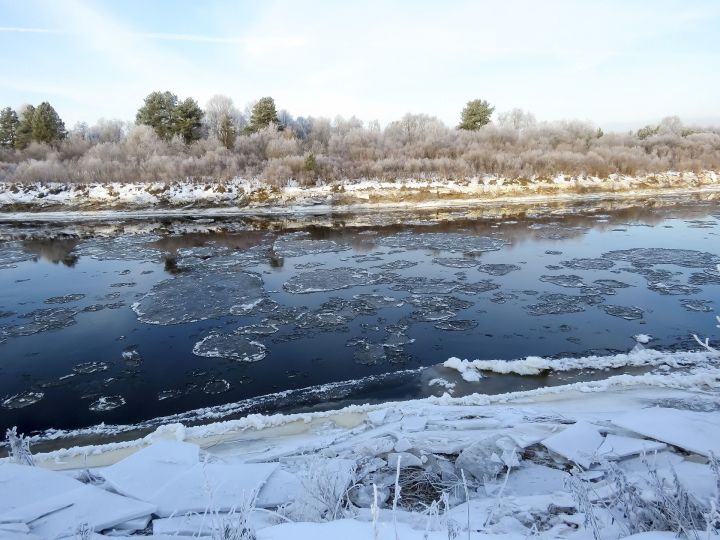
255 195
601 459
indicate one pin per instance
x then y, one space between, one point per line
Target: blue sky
619 64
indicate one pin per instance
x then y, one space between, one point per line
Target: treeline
173 139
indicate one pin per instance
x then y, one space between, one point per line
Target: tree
516 119
226 132
475 115
23 136
188 120
310 162
158 112
8 127
47 127
263 114
216 110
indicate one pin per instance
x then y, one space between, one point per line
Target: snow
618 446
535 365
143 473
97 508
694 431
243 196
211 485
578 443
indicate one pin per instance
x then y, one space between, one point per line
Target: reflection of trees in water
561 219
232 240
53 250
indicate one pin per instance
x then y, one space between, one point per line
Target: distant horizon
617 65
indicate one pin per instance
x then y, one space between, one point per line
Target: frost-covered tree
264 113
47 127
516 119
475 115
158 112
107 131
218 110
23 136
188 120
8 127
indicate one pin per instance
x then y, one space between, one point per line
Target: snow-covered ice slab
281 488
143 473
212 486
16 531
578 443
170 475
97 508
618 447
694 431
22 486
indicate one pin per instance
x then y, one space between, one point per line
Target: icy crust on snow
536 365
251 193
193 297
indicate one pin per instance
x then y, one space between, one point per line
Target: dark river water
124 321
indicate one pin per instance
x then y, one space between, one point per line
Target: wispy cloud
18 29
604 61
250 43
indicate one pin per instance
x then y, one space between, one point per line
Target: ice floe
198 296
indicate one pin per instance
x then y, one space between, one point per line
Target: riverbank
241 196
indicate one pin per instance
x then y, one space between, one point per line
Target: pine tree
263 114
226 132
158 112
475 115
188 120
47 127
8 127
310 162
23 136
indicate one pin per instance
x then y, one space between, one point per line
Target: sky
620 64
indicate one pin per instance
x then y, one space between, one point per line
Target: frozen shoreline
239 197
550 457
700 372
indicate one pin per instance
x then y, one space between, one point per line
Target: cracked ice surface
235 346
195 297
331 279
555 304
498 269
297 245
453 242
41 320
687 258
588 264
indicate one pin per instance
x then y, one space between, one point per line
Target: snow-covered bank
255 196
471 370
609 458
